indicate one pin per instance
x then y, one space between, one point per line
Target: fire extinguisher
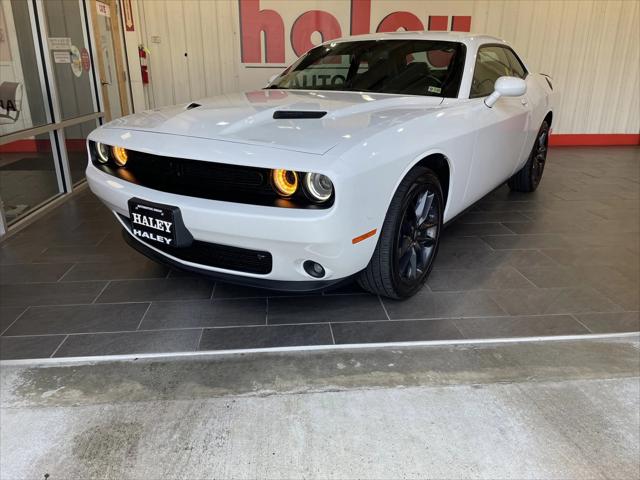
144 68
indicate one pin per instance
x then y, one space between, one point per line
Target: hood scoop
192 105
297 114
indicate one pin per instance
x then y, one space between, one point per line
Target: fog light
284 181
119 156
314 269
103 152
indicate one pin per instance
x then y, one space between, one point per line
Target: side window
491 64
516 64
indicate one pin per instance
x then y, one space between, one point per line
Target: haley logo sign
257 19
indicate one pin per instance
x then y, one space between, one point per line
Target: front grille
218 256
222 256
201 179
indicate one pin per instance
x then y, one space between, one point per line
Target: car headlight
119 156
102 151
285 182
318 187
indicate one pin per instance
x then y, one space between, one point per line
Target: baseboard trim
593 139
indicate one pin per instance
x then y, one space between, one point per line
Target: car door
501 130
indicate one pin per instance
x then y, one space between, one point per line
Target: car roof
469 39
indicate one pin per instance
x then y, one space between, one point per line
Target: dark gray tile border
205 313
552 301
156 290
33 272
266 337
477 279
395 331
8 315
15 348
330 308
527 326
129 342
79 319
49 293
610 322
444 305
118 270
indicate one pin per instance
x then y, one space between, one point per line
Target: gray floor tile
546 226
491 259
32 272
550 277
611 322
92 253
129 343
329 308
493 217
49 293
444 305
8 315
118 270
626 296
156 290
460 229
552 301
265 337
526 242
15 348
79 319
531 326
395 331
206 313
477 279
580 256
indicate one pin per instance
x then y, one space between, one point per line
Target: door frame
121 72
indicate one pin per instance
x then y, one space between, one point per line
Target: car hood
249 117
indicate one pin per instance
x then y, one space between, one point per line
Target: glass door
113 76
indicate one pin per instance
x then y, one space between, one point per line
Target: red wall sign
85 59
254 21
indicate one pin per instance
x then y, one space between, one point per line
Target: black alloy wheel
528 178
409 239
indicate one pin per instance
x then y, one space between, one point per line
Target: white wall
591 48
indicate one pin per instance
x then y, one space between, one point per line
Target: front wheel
409 238
528 178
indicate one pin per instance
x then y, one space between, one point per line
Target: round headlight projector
285 181
119 156
103 152
318 187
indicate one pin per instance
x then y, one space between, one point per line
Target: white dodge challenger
347 165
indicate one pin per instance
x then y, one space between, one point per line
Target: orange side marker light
364 236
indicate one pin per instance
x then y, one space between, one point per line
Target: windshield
411 67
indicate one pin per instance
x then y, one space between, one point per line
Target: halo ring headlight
285 182
318 187
102 151
120 156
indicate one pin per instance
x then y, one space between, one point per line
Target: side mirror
506 87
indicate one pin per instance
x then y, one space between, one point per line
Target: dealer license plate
158 223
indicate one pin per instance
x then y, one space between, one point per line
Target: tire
409 238
528 178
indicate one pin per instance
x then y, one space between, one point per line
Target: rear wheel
528 179
409 239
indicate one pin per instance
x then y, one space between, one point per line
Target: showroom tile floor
562 261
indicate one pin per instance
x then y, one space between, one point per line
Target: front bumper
292 236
